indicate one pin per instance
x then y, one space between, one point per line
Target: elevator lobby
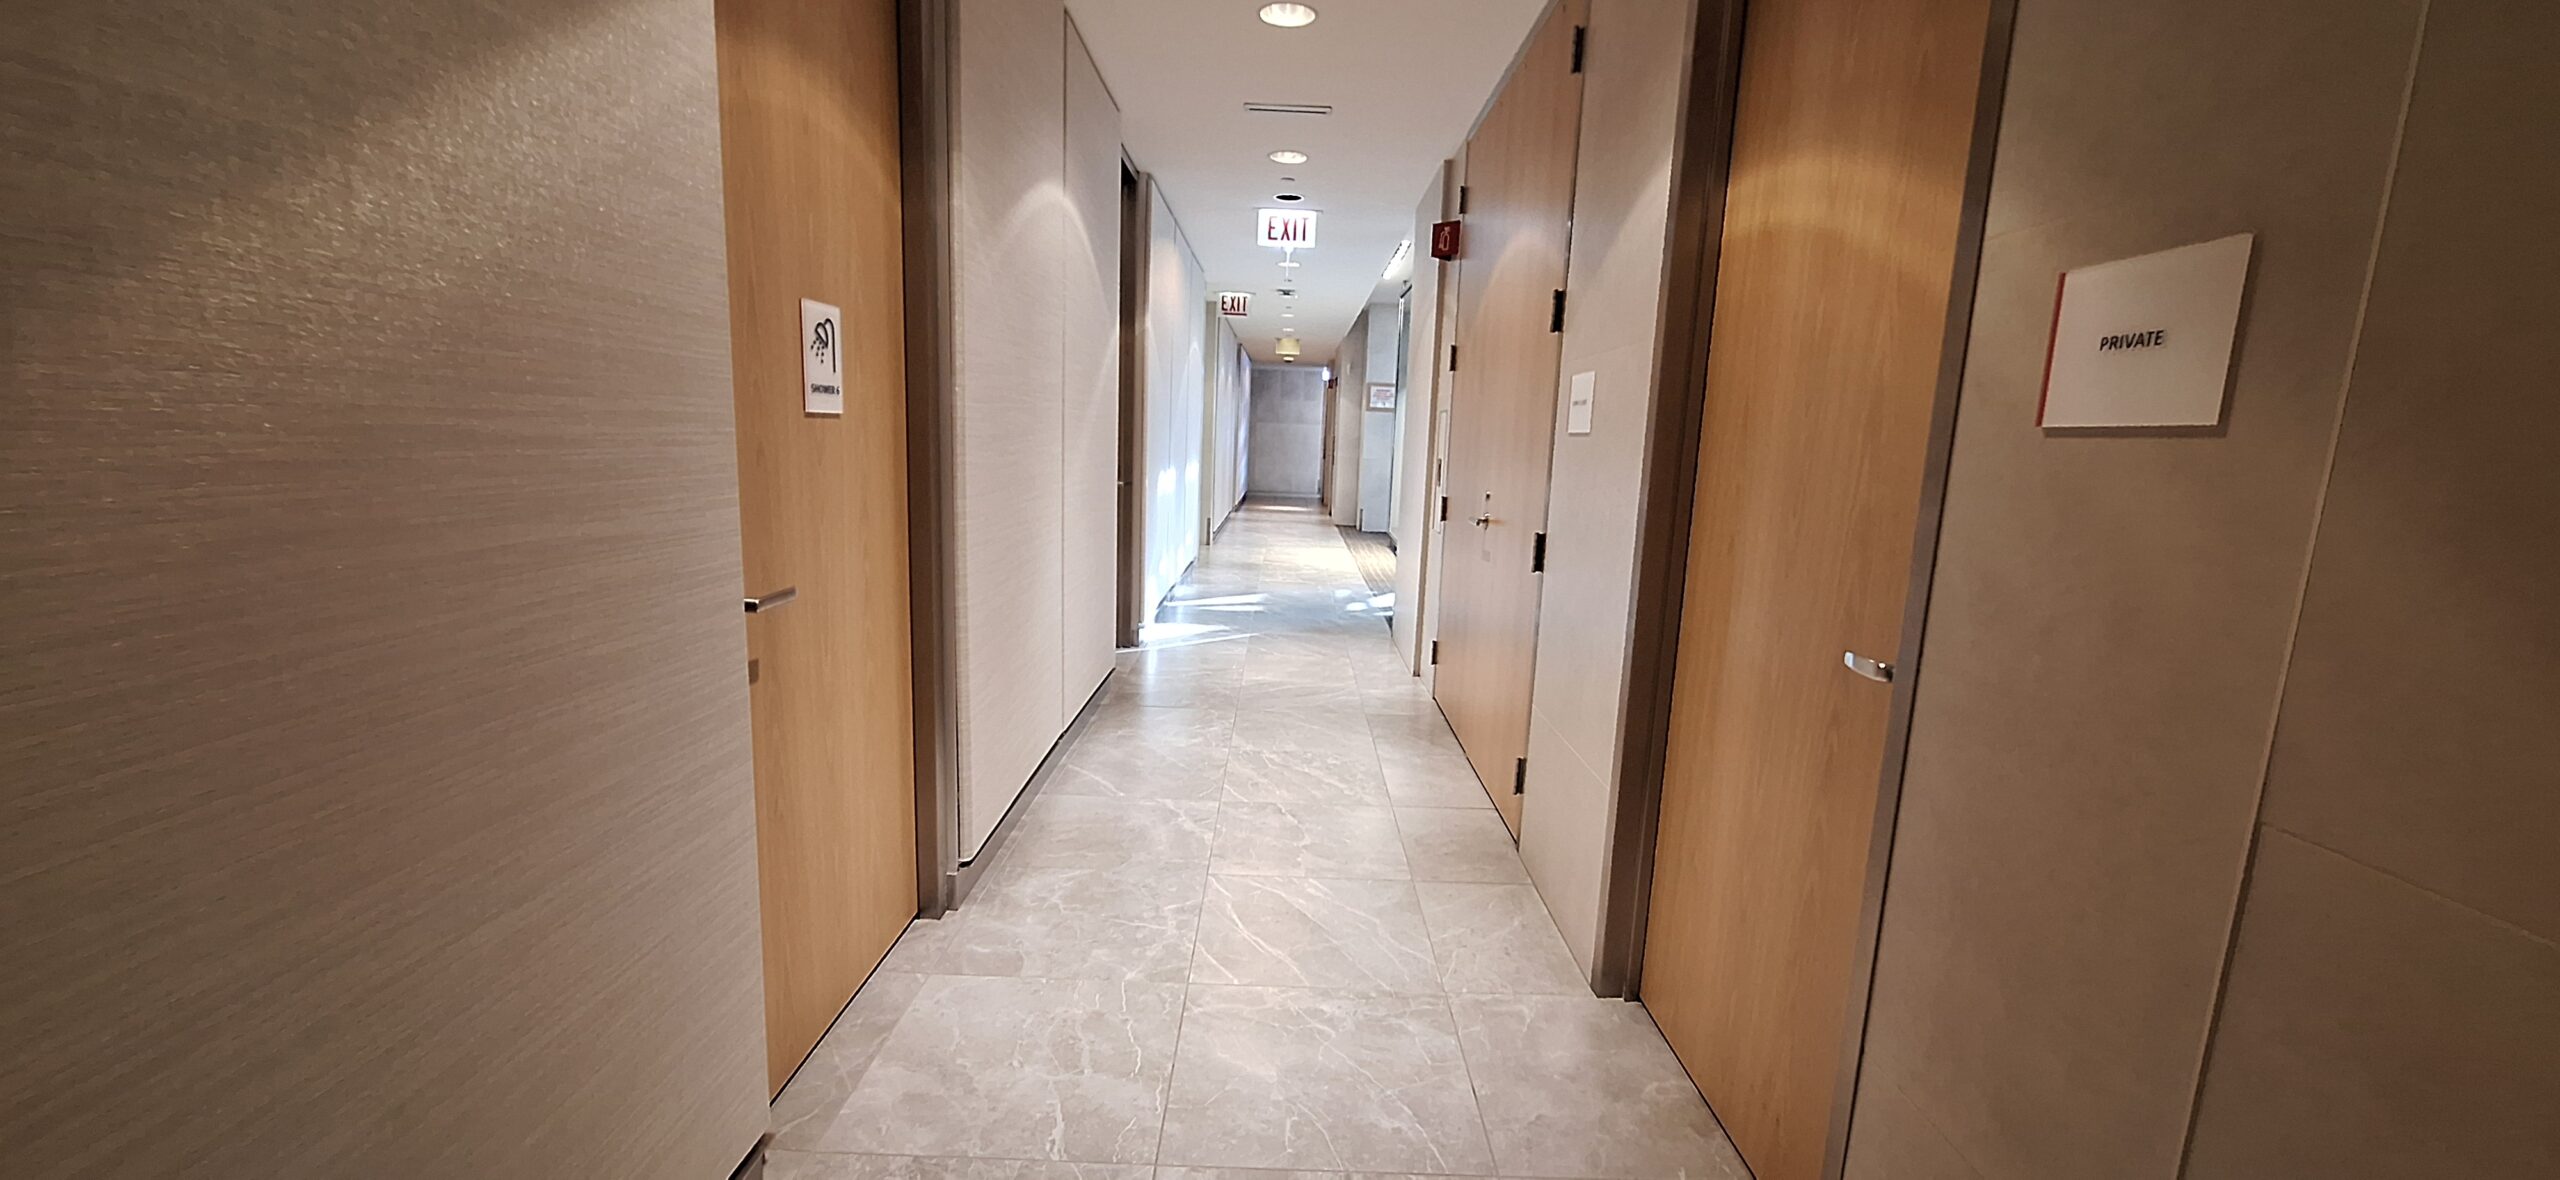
1275 590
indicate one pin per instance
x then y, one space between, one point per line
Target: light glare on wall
1288 16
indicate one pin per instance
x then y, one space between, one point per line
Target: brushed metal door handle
1484 520
1875 670
774 601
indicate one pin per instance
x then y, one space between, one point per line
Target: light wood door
1518 214
811 157
1851 139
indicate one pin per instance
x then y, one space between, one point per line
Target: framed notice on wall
1382 396
2145 342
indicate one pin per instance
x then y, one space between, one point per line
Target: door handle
1875 670
774 601
1484 520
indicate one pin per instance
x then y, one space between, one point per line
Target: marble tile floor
1262 924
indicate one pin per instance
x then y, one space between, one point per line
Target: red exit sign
1235 303
1289 229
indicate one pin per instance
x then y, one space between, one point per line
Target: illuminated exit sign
1235 303
1291 229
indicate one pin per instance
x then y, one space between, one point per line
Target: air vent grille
1288 108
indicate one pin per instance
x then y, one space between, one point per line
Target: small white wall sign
822 357
2146 341
1577 405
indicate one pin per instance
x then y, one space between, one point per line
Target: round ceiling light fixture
1288 16
1286 156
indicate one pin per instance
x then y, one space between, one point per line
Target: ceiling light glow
1288 16
1286 156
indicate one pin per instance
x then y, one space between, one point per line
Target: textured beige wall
1014 297
2394 1002
1089 515
1175 400
2110 619
373 718
1621 206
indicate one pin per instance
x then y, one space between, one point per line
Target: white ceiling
1405 78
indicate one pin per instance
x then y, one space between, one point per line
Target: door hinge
1444 509
1520 777
1538 554
1579 32
1556 322
1462 199
1435 653
1453 358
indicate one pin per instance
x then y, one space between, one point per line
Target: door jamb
1137 216
925 38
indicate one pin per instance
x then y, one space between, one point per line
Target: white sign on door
1293 229
1235 302
822 357
1577 406
2146 342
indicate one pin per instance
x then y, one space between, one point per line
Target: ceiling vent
1288 108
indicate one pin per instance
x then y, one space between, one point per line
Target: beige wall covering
1385 325
1174 396
1286 438
373 710
1090 395
1621 205
2113 619
1034 527
1230 378
2394 1002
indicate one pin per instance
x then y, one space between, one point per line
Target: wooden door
811 162
1518 213
1851 139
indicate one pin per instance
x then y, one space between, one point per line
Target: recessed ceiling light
1288 196
1288 315
1291 265
1285 156
1288 16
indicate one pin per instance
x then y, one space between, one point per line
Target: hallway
1261 916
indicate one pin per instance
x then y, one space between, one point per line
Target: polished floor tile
1017 1069
1064 923
1314 932
1295 1078
1307 840
1073 831
1573 1086
1261 923
1497 938
1459 844
803 1165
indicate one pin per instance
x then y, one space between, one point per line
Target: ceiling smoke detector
1288 16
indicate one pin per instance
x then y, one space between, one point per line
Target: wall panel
373 701
2394 998
1621 208
1089 516
2110 615
1175 398
1287 435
